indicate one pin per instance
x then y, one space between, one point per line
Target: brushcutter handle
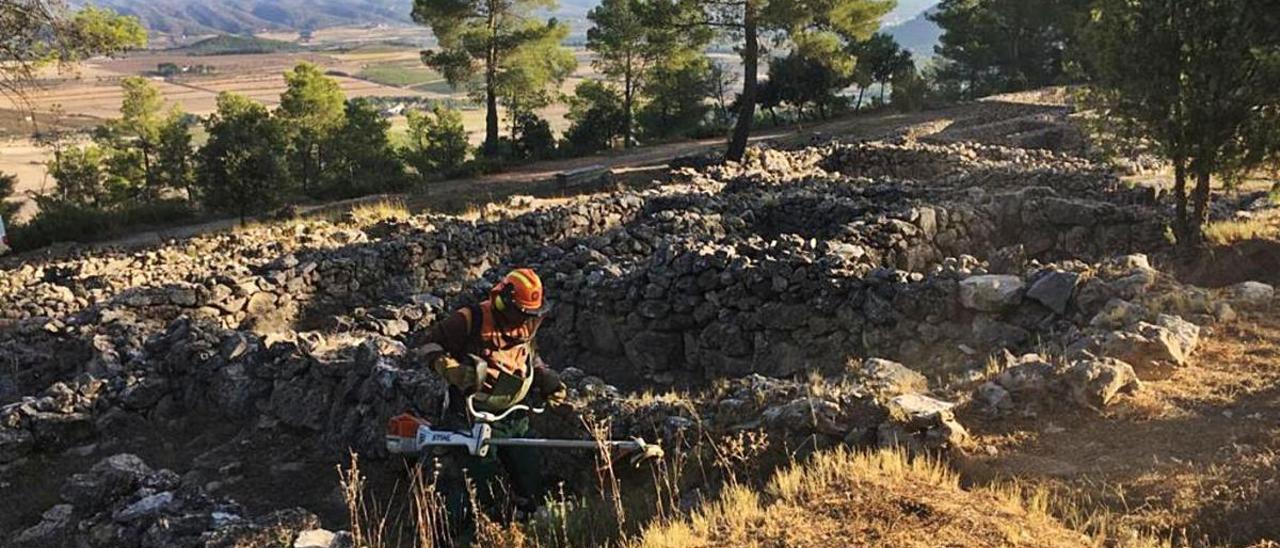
487 417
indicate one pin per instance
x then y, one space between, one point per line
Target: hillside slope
193 17
918 35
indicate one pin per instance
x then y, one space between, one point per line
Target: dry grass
1193 459
843 498
1229 232
366 214
368 518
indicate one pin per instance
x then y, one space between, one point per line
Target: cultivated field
92 94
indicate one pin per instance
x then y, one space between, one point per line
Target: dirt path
1195 458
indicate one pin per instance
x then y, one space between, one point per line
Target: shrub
60 221
437 142
531 138
598 118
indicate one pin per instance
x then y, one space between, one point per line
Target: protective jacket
509 365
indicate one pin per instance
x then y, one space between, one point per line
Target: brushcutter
409 435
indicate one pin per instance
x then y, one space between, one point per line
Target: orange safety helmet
521 288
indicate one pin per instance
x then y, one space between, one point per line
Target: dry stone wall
788 263
947 258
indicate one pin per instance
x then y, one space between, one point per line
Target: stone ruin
1001 277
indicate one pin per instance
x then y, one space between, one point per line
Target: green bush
66 222
532 138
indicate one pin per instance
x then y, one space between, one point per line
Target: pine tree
312 108
243 168
486 38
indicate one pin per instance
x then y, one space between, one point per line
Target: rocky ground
863 294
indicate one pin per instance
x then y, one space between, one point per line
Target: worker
487 351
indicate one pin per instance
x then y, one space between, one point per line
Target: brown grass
843 498
1228 232
366 214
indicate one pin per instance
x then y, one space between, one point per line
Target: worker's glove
454 372
558 397
645 453
553 390
558 402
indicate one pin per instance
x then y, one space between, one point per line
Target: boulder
991 292
58 430
1253 295
1186 334
993 397
314 538
54 529
920 423
888 379
807 416
1153 350
107 480
1054 290
278 528
1118 313
1096 383
1026 377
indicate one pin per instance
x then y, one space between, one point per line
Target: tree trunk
882 86
151 191
773 114
747 101
1181 226
861 91
490 87
1201 201
627 93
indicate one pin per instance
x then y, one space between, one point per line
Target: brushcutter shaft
566 444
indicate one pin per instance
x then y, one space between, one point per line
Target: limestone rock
54 529
993 397
314 538
110 478
1054 290
1117 314
991 292
1154 350
921 423
807 416
1254 295
1096 383
889 378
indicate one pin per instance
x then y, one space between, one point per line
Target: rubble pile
121 501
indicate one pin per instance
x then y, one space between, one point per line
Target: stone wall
781 265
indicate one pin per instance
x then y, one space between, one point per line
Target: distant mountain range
196 17
200 17
906 10
918 34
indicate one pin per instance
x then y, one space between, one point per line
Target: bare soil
1194 458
